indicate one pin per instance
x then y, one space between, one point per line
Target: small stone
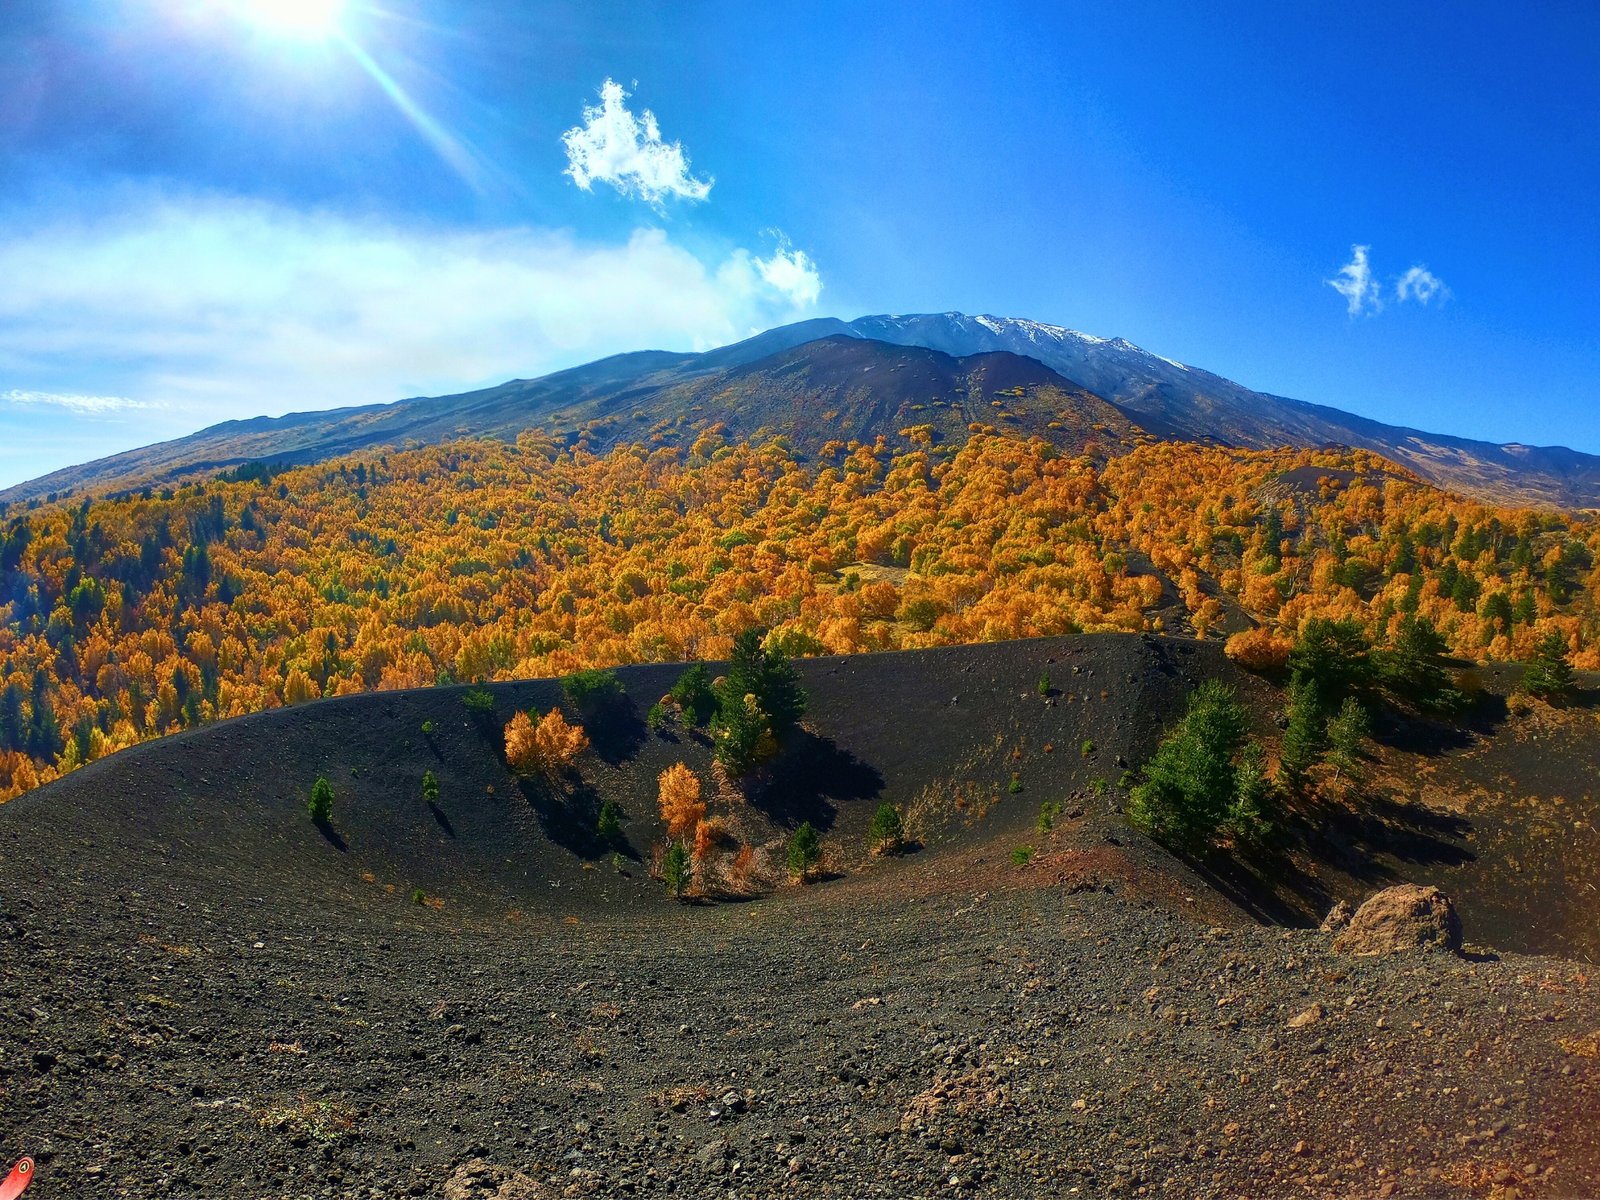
1309 1017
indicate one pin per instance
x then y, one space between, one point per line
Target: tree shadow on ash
332 834
439 816
1437 733
808 781
615 729
1370 844
568 811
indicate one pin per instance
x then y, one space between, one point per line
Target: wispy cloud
91 406
614 146
213 309
1421 285
1355 283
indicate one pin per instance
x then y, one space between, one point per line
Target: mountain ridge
1131 388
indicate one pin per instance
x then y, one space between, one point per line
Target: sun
313 19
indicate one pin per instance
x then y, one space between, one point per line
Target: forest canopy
128 617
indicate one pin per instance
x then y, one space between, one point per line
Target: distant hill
779 384
827 378
1178 400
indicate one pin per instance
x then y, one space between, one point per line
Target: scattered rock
1405 917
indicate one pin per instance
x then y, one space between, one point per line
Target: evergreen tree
676 869
1331 659
320 805
1415 665
770 677
1302 737
1549 674
1192 783
13 725
1346 733
694 696
887 832
804 851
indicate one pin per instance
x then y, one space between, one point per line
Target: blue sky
208 214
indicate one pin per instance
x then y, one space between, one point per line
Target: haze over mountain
824 379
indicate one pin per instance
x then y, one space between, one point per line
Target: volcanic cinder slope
207 995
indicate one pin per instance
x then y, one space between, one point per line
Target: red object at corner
17 1182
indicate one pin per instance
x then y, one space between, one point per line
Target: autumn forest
131 616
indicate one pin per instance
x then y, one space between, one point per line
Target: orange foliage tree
679 801
548 747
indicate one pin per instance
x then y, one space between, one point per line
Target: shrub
418 896
608 825
1044 685
593 690
1022 855
678 797
320 805
1198 774
427 729
694 696
1049 812
804 851
1549 674
886 834
1259 650
708 837
430 786
676 869
1088 747
658 717
478 701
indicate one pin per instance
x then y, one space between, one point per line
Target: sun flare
316 19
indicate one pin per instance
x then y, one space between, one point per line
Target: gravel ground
206 997
854 1040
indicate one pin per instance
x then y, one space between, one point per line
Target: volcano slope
207 995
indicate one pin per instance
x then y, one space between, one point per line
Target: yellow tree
679 800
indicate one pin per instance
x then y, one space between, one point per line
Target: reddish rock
1406 917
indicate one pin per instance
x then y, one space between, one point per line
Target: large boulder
1406 917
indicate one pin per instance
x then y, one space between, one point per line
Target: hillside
807 383
218 997
129 618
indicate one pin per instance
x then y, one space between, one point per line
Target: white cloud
214 309
792 273
613 146
1355 283
1421 285
92 406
